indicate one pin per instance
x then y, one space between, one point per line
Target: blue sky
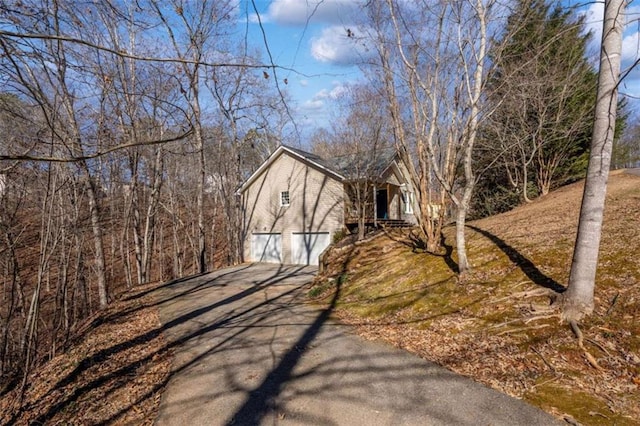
594 12
310 37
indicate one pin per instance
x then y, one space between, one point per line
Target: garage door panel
306 247
266 248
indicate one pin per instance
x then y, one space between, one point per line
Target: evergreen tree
543 94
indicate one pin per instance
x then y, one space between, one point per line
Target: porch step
393 223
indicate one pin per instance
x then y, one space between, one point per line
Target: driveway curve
249 350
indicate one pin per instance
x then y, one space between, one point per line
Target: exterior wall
316 203
406 179
398 177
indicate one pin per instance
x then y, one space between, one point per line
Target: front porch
384 204
352 224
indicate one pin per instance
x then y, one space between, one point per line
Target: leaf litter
498 326
113 373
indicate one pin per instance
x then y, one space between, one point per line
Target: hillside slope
497 326
113 372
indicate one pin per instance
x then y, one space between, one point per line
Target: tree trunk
152 209
96 228
361 209
461 217
475 91
202 236
578 300
463 261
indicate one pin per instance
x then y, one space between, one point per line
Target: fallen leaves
499 327
114 374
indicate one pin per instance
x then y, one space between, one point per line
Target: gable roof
299 154
374 165
337 167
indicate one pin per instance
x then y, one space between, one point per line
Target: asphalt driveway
250 350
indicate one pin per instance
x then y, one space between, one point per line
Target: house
296 201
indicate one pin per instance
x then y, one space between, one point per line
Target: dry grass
497 325
113 373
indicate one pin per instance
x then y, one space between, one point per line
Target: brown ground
495 326
114 372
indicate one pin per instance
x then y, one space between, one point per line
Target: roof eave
274 156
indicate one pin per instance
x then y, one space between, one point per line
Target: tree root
550 311
602 348
502 324
540 317
551 367
527 294
578 333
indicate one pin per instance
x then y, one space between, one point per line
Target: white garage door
266 248
306 247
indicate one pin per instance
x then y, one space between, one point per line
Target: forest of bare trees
126 130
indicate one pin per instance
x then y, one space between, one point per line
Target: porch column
388 201
375 206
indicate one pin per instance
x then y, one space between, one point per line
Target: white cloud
304 83
313 105
631 87
253 19
340 45
630 47
594 15
337 90
299 12
317 108
593 23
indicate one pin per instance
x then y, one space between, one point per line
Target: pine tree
543 93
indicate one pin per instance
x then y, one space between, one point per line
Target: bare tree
108 143
201 24
409 79
542 88
441 73
358 145
578 299
44 71
248 111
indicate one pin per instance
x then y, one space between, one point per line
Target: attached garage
266 248
306 247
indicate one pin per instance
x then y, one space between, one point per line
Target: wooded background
127 128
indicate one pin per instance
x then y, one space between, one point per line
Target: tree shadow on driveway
261 400
249 349
270 357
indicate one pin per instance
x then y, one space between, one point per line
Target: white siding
316 203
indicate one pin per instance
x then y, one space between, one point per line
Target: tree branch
53 159
124 54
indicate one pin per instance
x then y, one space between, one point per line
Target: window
284 198
407 197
